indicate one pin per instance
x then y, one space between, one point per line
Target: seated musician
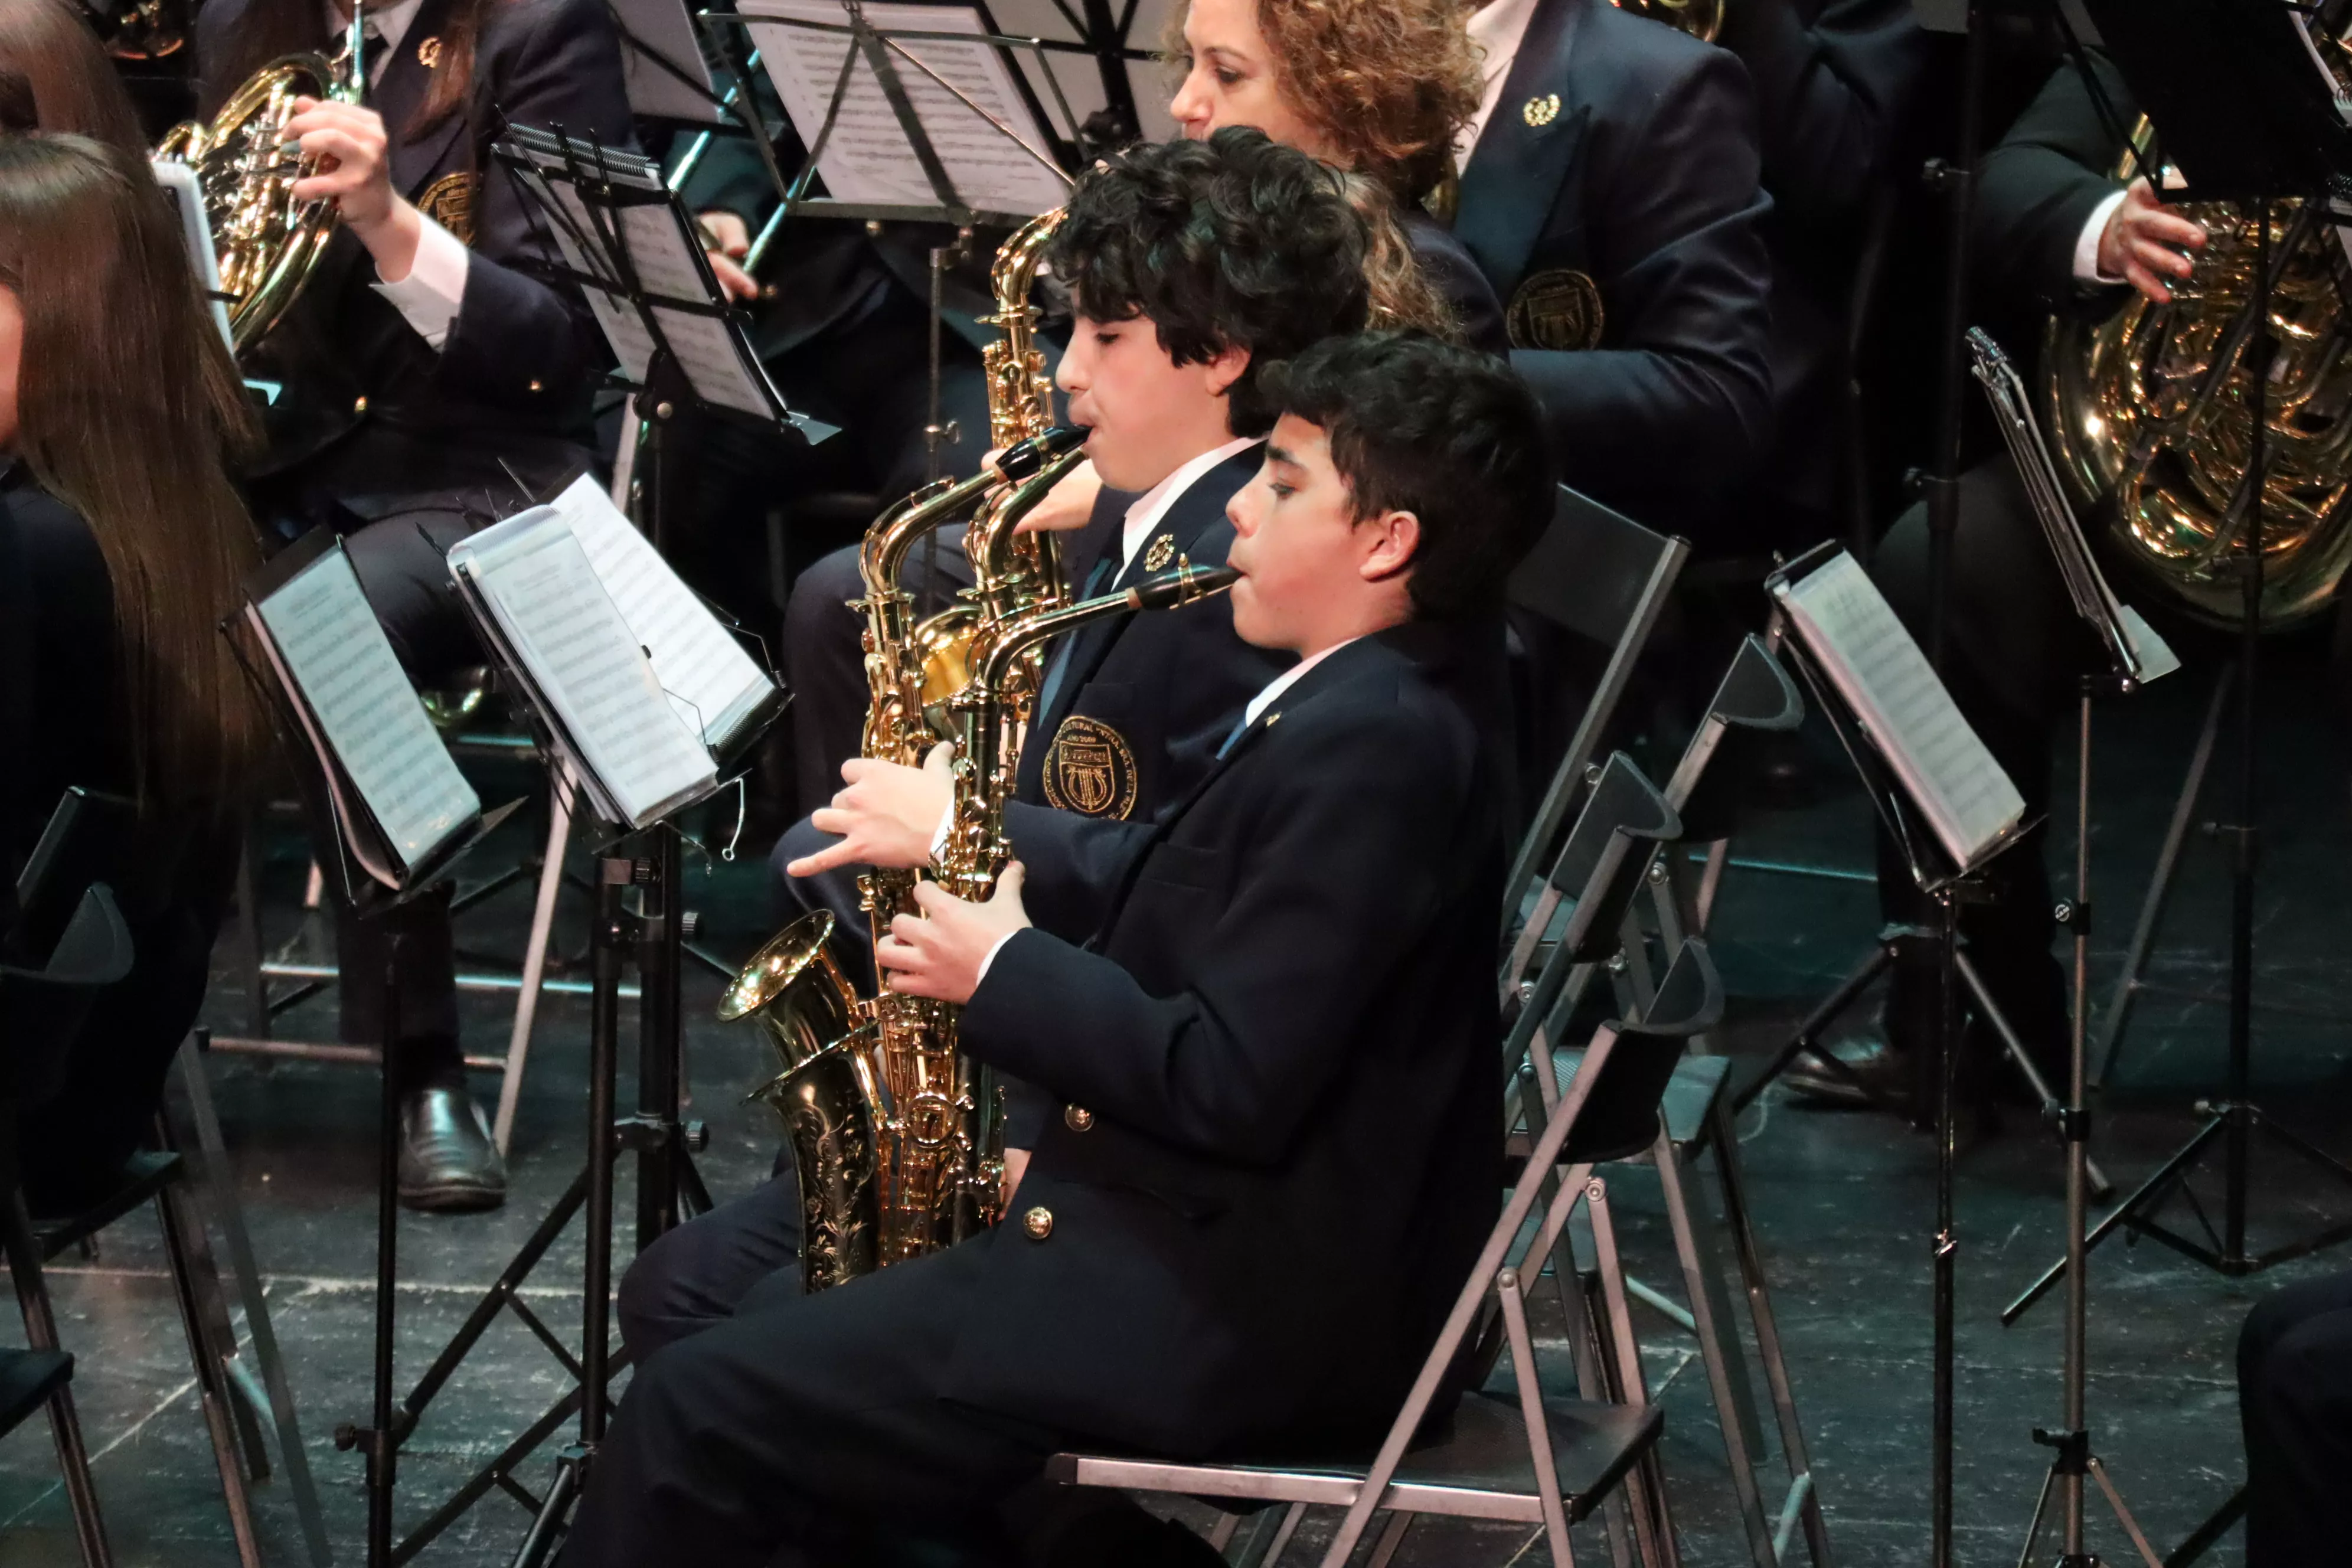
72 86
123 544
2295 1403
425 376
1192 265
1276 1061
2054 230
1377 88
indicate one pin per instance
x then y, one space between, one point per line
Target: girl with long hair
432 382
63 75
124 543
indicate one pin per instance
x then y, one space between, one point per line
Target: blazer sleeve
1453 272
2040 185
1232 1064
1071 864
1687 285
517 338
1830 94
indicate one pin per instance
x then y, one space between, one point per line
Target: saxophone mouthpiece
1181 584
1024 459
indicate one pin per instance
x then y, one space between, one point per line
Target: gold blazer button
359 406
1038 1222
1077 1118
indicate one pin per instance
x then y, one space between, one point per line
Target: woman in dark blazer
426 372
122 542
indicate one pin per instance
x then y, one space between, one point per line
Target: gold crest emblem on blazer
1557 309
1090 769
450 201
1160 553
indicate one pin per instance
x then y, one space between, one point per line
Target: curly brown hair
1387 82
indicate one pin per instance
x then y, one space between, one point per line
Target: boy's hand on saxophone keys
942 953
886 815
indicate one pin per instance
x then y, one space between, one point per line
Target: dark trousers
2295 1399
697 1274
400 564
825 653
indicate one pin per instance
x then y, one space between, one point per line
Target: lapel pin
1161 551
428 55
1541 110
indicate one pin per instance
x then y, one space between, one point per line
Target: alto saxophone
895 1134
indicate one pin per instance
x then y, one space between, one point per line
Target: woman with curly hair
1378 88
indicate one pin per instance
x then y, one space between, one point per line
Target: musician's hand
1070 504
732 240
2144 241
353 169
1016 1165
939 952
886 815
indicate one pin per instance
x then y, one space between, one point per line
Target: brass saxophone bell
796 990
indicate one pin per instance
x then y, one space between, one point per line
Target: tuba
266 241
897 1136
2150 422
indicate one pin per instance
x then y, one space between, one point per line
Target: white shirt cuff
992 951
939 834
429 298
2086 244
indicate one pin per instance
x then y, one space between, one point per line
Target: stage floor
1844 1206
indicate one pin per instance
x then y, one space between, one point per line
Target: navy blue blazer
1614 203
372 418
1139 707
1279 1151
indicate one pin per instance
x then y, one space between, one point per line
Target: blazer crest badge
1556 308
1089 769
1160 553
450 201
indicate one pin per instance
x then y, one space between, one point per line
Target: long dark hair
128 410
72 85
273 27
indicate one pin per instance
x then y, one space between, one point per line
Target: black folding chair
41 1011
1523 1454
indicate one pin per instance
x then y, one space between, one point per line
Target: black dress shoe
448 1163
1878 1076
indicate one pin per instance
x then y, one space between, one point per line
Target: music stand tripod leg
378 1441
2014 1049
615 933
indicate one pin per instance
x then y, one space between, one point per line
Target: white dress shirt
429 298
2086 244
1498 28
1153 504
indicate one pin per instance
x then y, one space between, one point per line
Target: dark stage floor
1844 1205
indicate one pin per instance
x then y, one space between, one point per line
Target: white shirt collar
390 23
1145 514
1497 27
1285 681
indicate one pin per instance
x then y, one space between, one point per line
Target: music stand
1945 804
352 790
2282 137
2134 656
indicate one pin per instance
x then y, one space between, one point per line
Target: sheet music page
713 683
868 157
657 48
581 655
1868 656
2155 657
1079 75
719 373
328 640
658 253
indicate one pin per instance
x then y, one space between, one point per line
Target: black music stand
374 887
2134 656
2239 98
1950 886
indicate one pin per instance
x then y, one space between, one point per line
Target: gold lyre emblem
1541 110
1090 769
428 54
1158 553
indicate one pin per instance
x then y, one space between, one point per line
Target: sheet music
586 663
328 640
868 157
657 47
711 681
1868 656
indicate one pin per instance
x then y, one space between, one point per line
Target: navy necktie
1096 581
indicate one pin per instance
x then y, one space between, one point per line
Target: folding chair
1606 579
1755 695
41 1011
1527 1457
